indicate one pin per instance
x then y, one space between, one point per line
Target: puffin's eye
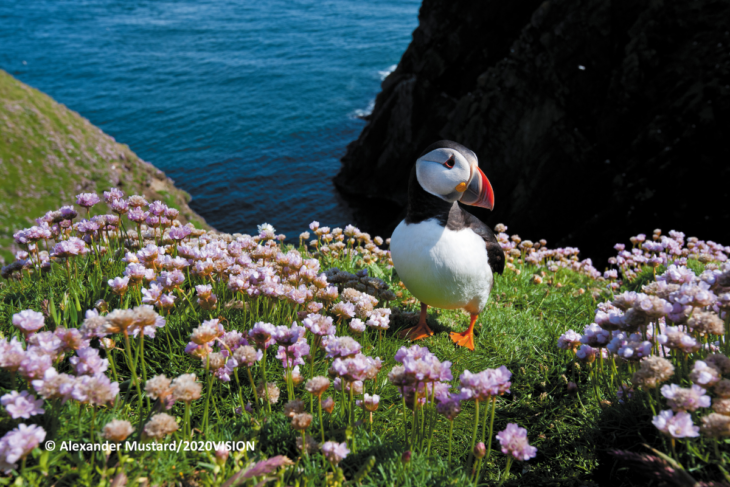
450 162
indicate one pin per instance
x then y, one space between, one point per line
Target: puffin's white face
453 176
444 173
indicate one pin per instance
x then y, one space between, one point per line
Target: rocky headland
594 120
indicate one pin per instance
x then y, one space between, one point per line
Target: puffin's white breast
441 267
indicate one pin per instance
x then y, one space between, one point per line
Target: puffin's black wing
460 219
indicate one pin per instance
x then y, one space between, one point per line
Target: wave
362 113
384 74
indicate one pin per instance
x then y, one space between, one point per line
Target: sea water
247 105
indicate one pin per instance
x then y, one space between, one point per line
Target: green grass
518 329
49 154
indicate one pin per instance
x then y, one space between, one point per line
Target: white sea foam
360 113
384 74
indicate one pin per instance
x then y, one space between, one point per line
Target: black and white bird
446 257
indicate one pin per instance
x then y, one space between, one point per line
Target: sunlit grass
531 306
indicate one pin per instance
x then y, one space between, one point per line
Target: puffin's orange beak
479 192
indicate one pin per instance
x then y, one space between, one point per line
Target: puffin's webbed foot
466 339
421 330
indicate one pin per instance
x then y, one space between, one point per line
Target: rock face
593 119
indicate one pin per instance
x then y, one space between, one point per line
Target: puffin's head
451 172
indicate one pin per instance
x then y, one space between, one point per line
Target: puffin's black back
422 206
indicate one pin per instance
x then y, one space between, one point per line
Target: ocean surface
247 105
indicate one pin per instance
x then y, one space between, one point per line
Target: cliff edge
594 120
49 154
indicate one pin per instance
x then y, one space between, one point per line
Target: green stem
491 428
477 468
352 402
143 363
405 423
187 298
132 367
207 396
414 420
93 423
240 391
187 428
720 458
111 362
266 384
474 433
484 422
432 419
506 470
253 386
321 423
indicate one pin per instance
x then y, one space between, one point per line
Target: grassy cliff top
49 154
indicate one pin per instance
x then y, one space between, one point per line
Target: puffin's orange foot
421 330
465 339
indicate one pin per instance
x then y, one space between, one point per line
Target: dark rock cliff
593 119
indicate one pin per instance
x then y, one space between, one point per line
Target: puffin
445 256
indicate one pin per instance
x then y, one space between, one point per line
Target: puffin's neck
422 205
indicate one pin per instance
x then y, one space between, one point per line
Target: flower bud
221 455
406 457
328 405
101 306
480 450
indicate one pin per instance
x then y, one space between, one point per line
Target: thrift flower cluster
675 327
305 314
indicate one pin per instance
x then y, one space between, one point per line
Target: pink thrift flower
180 233
34 364
119 285
46 343
262 334
17 444
112 195
379 318
71 339
677 426
685 399
514 442
344 310
28 321
288 335
570 340
334 452
87 200
352 368
11 354
370 403
448 405
319 325
21 405
137 215
88 362
357 325
291 355
157 208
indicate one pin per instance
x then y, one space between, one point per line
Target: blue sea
247 105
